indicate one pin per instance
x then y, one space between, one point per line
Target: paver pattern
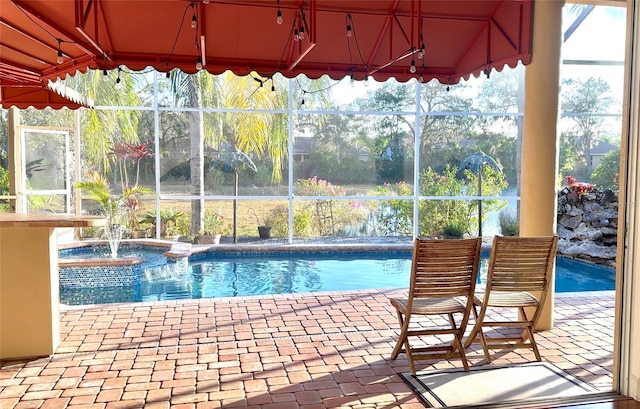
310 351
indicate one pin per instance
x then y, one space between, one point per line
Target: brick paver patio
313 350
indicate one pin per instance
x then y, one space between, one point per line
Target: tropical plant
114 207
169 220
122 151
578 188
102 128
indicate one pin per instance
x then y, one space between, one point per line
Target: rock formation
588 225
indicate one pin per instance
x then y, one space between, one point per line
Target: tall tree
581 101
253 133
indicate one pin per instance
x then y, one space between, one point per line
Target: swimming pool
239 274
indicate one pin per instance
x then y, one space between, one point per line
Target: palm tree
102 129
252 133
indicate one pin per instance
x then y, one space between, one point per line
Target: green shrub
455 229
509 225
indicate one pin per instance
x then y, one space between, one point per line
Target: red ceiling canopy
376 38
55 95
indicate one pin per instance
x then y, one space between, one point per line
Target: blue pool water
228 274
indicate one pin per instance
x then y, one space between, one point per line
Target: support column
538 197
29 292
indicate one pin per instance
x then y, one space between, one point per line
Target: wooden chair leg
402 338
485 346
474 331
457 343
463 357
534 345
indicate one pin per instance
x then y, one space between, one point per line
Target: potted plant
264 225
214 227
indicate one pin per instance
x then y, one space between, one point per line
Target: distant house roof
301 145
602 148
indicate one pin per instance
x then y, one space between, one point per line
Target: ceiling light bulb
273 88
118 80
353 81
105 75
295 35
421 54
194 21
205 1
279 17
412 69
366 80
301 34
420 78
59 60
349 33
199 64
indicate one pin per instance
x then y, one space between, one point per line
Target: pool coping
178 249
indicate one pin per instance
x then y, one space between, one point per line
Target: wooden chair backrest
521 263
444 268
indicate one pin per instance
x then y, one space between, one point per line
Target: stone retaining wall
588 225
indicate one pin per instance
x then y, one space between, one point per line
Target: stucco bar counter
29 289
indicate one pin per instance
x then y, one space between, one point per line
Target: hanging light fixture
194 17
412 69
105 75
349 30
118 78
278 13
59 60
199 64
301 33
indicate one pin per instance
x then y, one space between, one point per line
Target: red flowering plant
578 188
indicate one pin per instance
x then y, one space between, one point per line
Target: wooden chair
518 278
443 277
